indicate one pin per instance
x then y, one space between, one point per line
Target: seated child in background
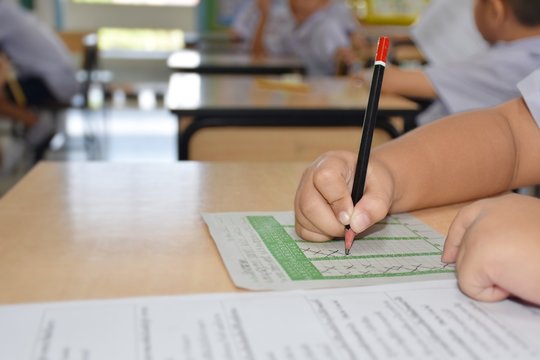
278 21
318 36
245 22
512 28
43 69
350 23
41 62
494 242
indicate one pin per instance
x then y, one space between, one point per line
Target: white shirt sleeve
245 21
530 90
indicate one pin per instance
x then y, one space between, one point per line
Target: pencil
370 117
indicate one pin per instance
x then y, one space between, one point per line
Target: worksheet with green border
262 252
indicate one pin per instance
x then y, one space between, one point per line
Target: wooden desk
194 61
214 42
407 53
219 100
103 230
192 39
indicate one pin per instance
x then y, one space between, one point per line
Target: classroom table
214 42
231 62
221 100
192 38
73 231
407 53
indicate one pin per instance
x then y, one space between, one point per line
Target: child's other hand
323 203
495 244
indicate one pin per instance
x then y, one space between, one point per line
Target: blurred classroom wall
91 17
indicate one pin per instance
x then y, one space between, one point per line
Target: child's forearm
464 157
258 47
410 83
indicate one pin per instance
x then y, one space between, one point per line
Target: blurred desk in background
214 42
201 62
239 102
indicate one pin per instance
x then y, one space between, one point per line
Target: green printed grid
378 256
406 273
395 221
284 249
299 267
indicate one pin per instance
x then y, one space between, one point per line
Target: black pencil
368 127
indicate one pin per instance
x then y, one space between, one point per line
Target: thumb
330 178
372 208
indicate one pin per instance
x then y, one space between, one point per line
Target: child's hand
323 203
496 246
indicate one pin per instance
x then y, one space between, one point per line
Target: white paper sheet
262 252
446 32
419 320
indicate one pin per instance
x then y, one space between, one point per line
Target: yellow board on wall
393 12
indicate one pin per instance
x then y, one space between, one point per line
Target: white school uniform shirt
344 13
315 43
34 50
483 80
281 20
530 91
246 21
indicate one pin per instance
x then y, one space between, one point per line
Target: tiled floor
118 135
128 134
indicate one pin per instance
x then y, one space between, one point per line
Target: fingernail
360 222
344 218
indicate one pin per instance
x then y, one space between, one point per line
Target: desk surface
231 63
219 95
97 230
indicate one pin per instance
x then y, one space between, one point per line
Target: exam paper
420 320
446 32
262 252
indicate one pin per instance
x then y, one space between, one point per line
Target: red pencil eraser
382 50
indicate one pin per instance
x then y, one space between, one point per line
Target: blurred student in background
512 28
246 20
38 65
273 27
42 64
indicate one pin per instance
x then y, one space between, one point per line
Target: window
143 2
148 40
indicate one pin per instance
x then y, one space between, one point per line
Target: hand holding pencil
323 203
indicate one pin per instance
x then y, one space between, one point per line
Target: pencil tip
349 239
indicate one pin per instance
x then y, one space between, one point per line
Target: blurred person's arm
258 48
7 108
410 83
